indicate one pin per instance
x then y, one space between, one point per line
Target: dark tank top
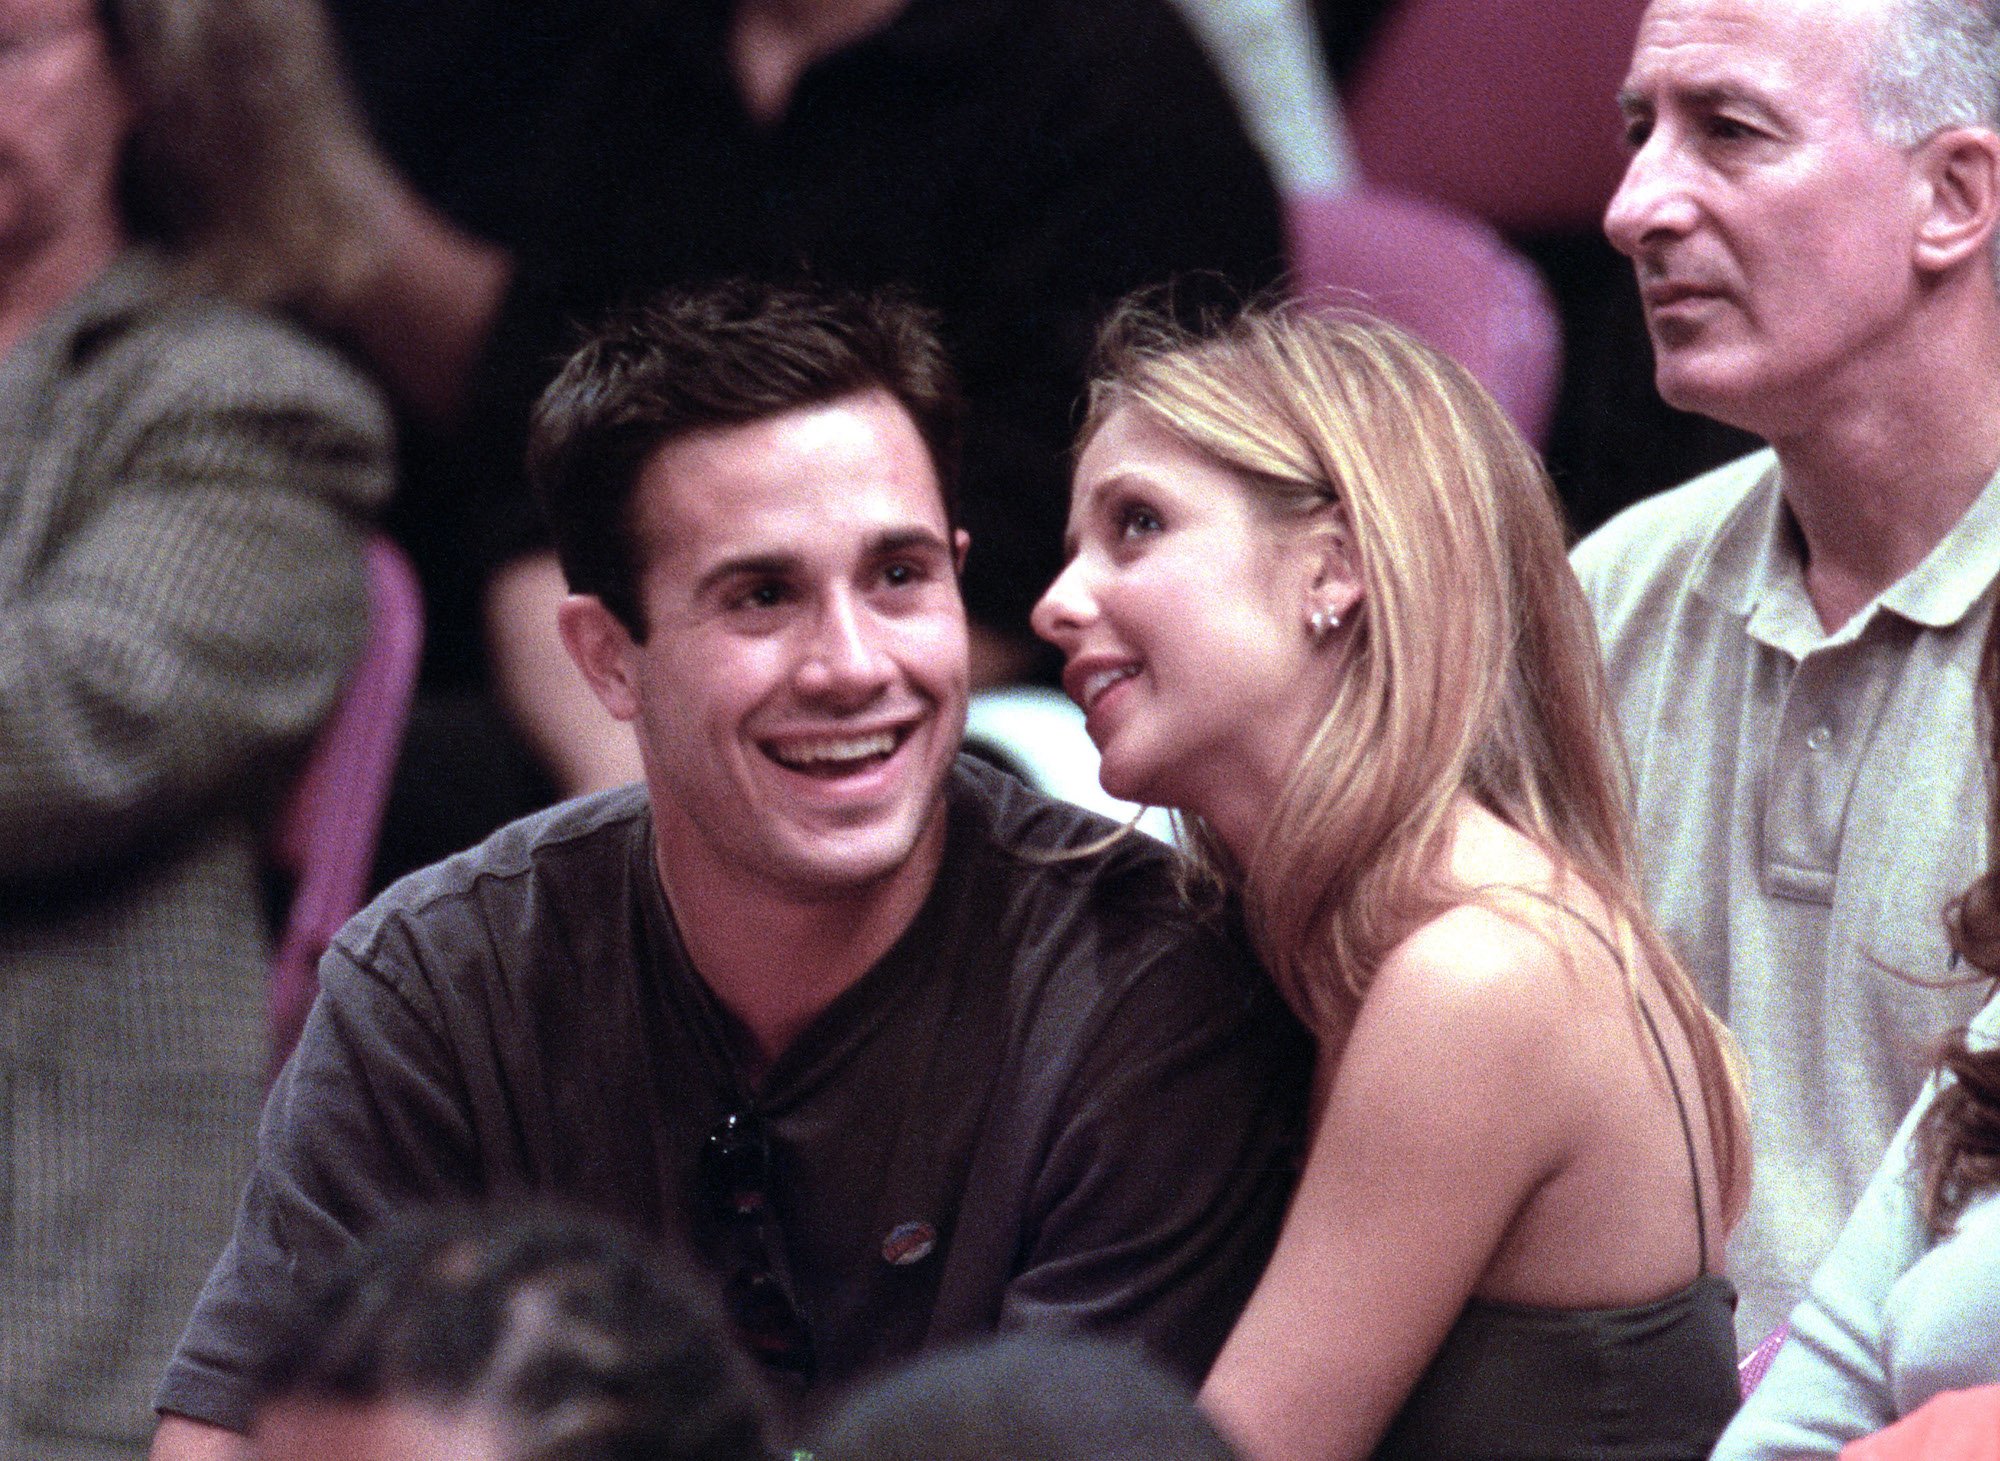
1653 1381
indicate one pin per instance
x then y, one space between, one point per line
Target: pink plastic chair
1444 276
327 829
1751 1369
1505 108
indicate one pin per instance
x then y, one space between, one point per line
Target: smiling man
896 1046
1792 640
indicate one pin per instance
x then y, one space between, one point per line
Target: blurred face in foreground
387 1430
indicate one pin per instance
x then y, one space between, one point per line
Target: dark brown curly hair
1958 1140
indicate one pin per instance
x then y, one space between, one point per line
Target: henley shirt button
1819 738
909 1243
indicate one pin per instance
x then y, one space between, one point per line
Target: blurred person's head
1810 197
475 1336
1023 1398
218 130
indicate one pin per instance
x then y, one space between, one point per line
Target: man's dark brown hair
723 355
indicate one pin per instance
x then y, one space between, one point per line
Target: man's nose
844 655
1653 201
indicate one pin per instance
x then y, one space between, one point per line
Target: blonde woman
1317 602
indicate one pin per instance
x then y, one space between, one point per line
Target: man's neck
1877 480
776 960
772 43
37 283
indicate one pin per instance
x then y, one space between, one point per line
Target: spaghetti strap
1687 1131
1652 1028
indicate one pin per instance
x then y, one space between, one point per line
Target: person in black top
904 1051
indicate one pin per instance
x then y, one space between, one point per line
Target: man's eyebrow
1706 97
750 565
905 540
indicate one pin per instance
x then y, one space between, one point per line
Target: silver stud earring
1322 622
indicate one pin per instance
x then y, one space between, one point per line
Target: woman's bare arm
1449 1106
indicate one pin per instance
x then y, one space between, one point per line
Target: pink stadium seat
1505 108
1445 277
326 832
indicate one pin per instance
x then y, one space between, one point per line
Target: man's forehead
826 484
1697 47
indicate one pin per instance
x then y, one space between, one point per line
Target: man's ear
1960 168
604 651
961 544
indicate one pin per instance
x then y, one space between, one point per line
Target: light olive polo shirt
1806 803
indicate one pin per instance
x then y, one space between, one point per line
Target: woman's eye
1136 520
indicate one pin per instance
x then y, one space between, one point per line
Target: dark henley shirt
1092 1101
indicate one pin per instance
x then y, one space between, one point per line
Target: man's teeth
833 753
1103 680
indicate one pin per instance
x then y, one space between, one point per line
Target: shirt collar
1752 566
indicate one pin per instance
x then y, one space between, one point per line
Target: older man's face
1771 230
63 122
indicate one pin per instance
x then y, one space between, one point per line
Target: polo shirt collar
1943 588
1752 566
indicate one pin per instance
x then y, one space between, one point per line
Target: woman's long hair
246 151
1958 1139
1471 663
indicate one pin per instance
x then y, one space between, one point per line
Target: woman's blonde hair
246 148
1471 666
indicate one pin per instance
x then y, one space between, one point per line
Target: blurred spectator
1023 1398
533 1337
185 483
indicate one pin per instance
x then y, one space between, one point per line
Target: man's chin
1696 384
831 864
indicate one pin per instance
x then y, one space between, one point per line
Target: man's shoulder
513 875
1663 532
1089 904
1043 842
1655 546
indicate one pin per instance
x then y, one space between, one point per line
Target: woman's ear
1335 589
